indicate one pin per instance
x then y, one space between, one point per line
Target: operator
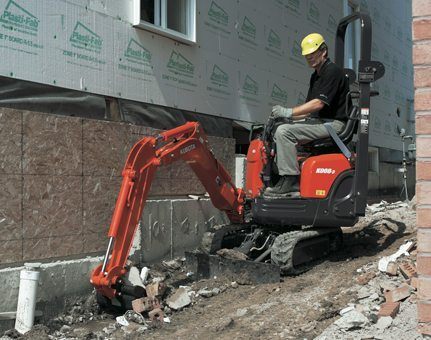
326 102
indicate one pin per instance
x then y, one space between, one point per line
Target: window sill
166 33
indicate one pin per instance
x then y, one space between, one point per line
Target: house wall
60 177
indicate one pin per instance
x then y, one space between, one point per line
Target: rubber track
284 244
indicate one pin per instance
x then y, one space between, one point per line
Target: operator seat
327 145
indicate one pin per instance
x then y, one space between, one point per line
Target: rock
346 310
351 320
133 277
121 320
205 293
179 299
132 316
144 274
309 327
241 312
223 324
365 292
215 291
234 285
384 322
65 329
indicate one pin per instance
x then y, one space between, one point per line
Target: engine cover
318 173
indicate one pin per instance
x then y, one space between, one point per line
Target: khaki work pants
287 136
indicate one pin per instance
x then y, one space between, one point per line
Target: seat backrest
352 123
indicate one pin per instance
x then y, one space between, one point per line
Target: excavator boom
187 142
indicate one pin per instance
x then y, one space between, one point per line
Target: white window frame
160 25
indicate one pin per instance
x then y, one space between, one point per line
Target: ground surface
299 307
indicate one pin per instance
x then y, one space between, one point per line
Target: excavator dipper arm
188 142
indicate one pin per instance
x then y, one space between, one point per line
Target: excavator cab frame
346 198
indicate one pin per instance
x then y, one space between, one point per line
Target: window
173 18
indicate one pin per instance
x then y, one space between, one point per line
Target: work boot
284 185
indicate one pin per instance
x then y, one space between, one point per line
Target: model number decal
328 171
187 149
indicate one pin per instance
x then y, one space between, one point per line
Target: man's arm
298 112
307 108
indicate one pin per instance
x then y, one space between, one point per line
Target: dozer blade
206 266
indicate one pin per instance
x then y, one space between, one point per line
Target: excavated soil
300 307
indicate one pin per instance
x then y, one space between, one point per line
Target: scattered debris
384 322
384 262
398 294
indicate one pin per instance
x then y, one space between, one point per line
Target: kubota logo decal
187 149
327 171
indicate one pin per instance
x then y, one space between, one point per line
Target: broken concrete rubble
179 299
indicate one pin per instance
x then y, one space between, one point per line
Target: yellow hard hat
311 43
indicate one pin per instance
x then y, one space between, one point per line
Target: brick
156 315
389 309
423 264
408 270
423 122
421 8
424 240
398 294
422 76
423 147
423 168
421 54
145 304
423 99
155 290
423 192
423 217
424 328
421 29
424 288
424 311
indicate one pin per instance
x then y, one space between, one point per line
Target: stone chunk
389 309
384 322
408 270
363 279
351 320
392 268
179 299
398 294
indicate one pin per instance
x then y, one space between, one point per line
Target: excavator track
295 251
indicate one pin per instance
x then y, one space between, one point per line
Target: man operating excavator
326 102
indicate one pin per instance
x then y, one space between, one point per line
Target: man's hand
279 111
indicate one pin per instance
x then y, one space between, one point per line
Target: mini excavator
289 231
